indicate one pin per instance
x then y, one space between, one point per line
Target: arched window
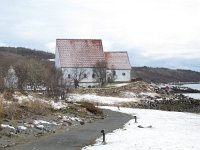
85 75
69 76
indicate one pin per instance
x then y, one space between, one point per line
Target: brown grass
91 108
1 112
37 107
8 94
13 111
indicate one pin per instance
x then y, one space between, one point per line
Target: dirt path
78 137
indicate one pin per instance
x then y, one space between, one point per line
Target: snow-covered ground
117 84
162 131
99 99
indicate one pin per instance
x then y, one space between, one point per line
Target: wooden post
103 133
135 117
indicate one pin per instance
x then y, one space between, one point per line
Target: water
193 86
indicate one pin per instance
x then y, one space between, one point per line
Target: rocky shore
178 103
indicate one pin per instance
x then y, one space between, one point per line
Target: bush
91 108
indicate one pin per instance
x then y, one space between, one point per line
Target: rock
82 122
39 126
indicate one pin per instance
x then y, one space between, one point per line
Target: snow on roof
117 60
79 52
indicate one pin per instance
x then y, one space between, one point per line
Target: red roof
79 52
117 60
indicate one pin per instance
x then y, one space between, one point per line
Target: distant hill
164 75
26 52
10 56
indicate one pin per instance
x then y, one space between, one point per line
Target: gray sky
158 33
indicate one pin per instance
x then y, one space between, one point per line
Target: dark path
78 137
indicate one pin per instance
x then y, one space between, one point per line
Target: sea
192 86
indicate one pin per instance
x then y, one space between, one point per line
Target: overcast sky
158 33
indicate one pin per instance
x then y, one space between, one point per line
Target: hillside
26 52
165 75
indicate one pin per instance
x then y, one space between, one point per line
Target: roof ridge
79 39
116 51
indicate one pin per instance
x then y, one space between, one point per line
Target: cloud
152 31
3 44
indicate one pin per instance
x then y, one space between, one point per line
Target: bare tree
100 71
21 70
56 85
2 86
111 76
77 75
11 79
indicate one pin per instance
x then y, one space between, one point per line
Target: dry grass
37 107
91 108
8 94
1 112
13 111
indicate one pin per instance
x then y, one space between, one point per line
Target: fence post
135 117
103 133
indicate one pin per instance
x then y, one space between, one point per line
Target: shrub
91 108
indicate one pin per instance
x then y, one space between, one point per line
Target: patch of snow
58 105
128 94
28 125
22 98
22 127
7 126
41 121
148 94
75 119
36 122
120 84
39 126
99 99
162 130
67 118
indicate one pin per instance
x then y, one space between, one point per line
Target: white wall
86 81
90 81
57 59
119 75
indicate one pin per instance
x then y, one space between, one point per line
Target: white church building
76 55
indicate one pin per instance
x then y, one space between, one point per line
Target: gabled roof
79 52
117 60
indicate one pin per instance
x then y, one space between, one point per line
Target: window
114 73
93 75
69 76
85 75
123 74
